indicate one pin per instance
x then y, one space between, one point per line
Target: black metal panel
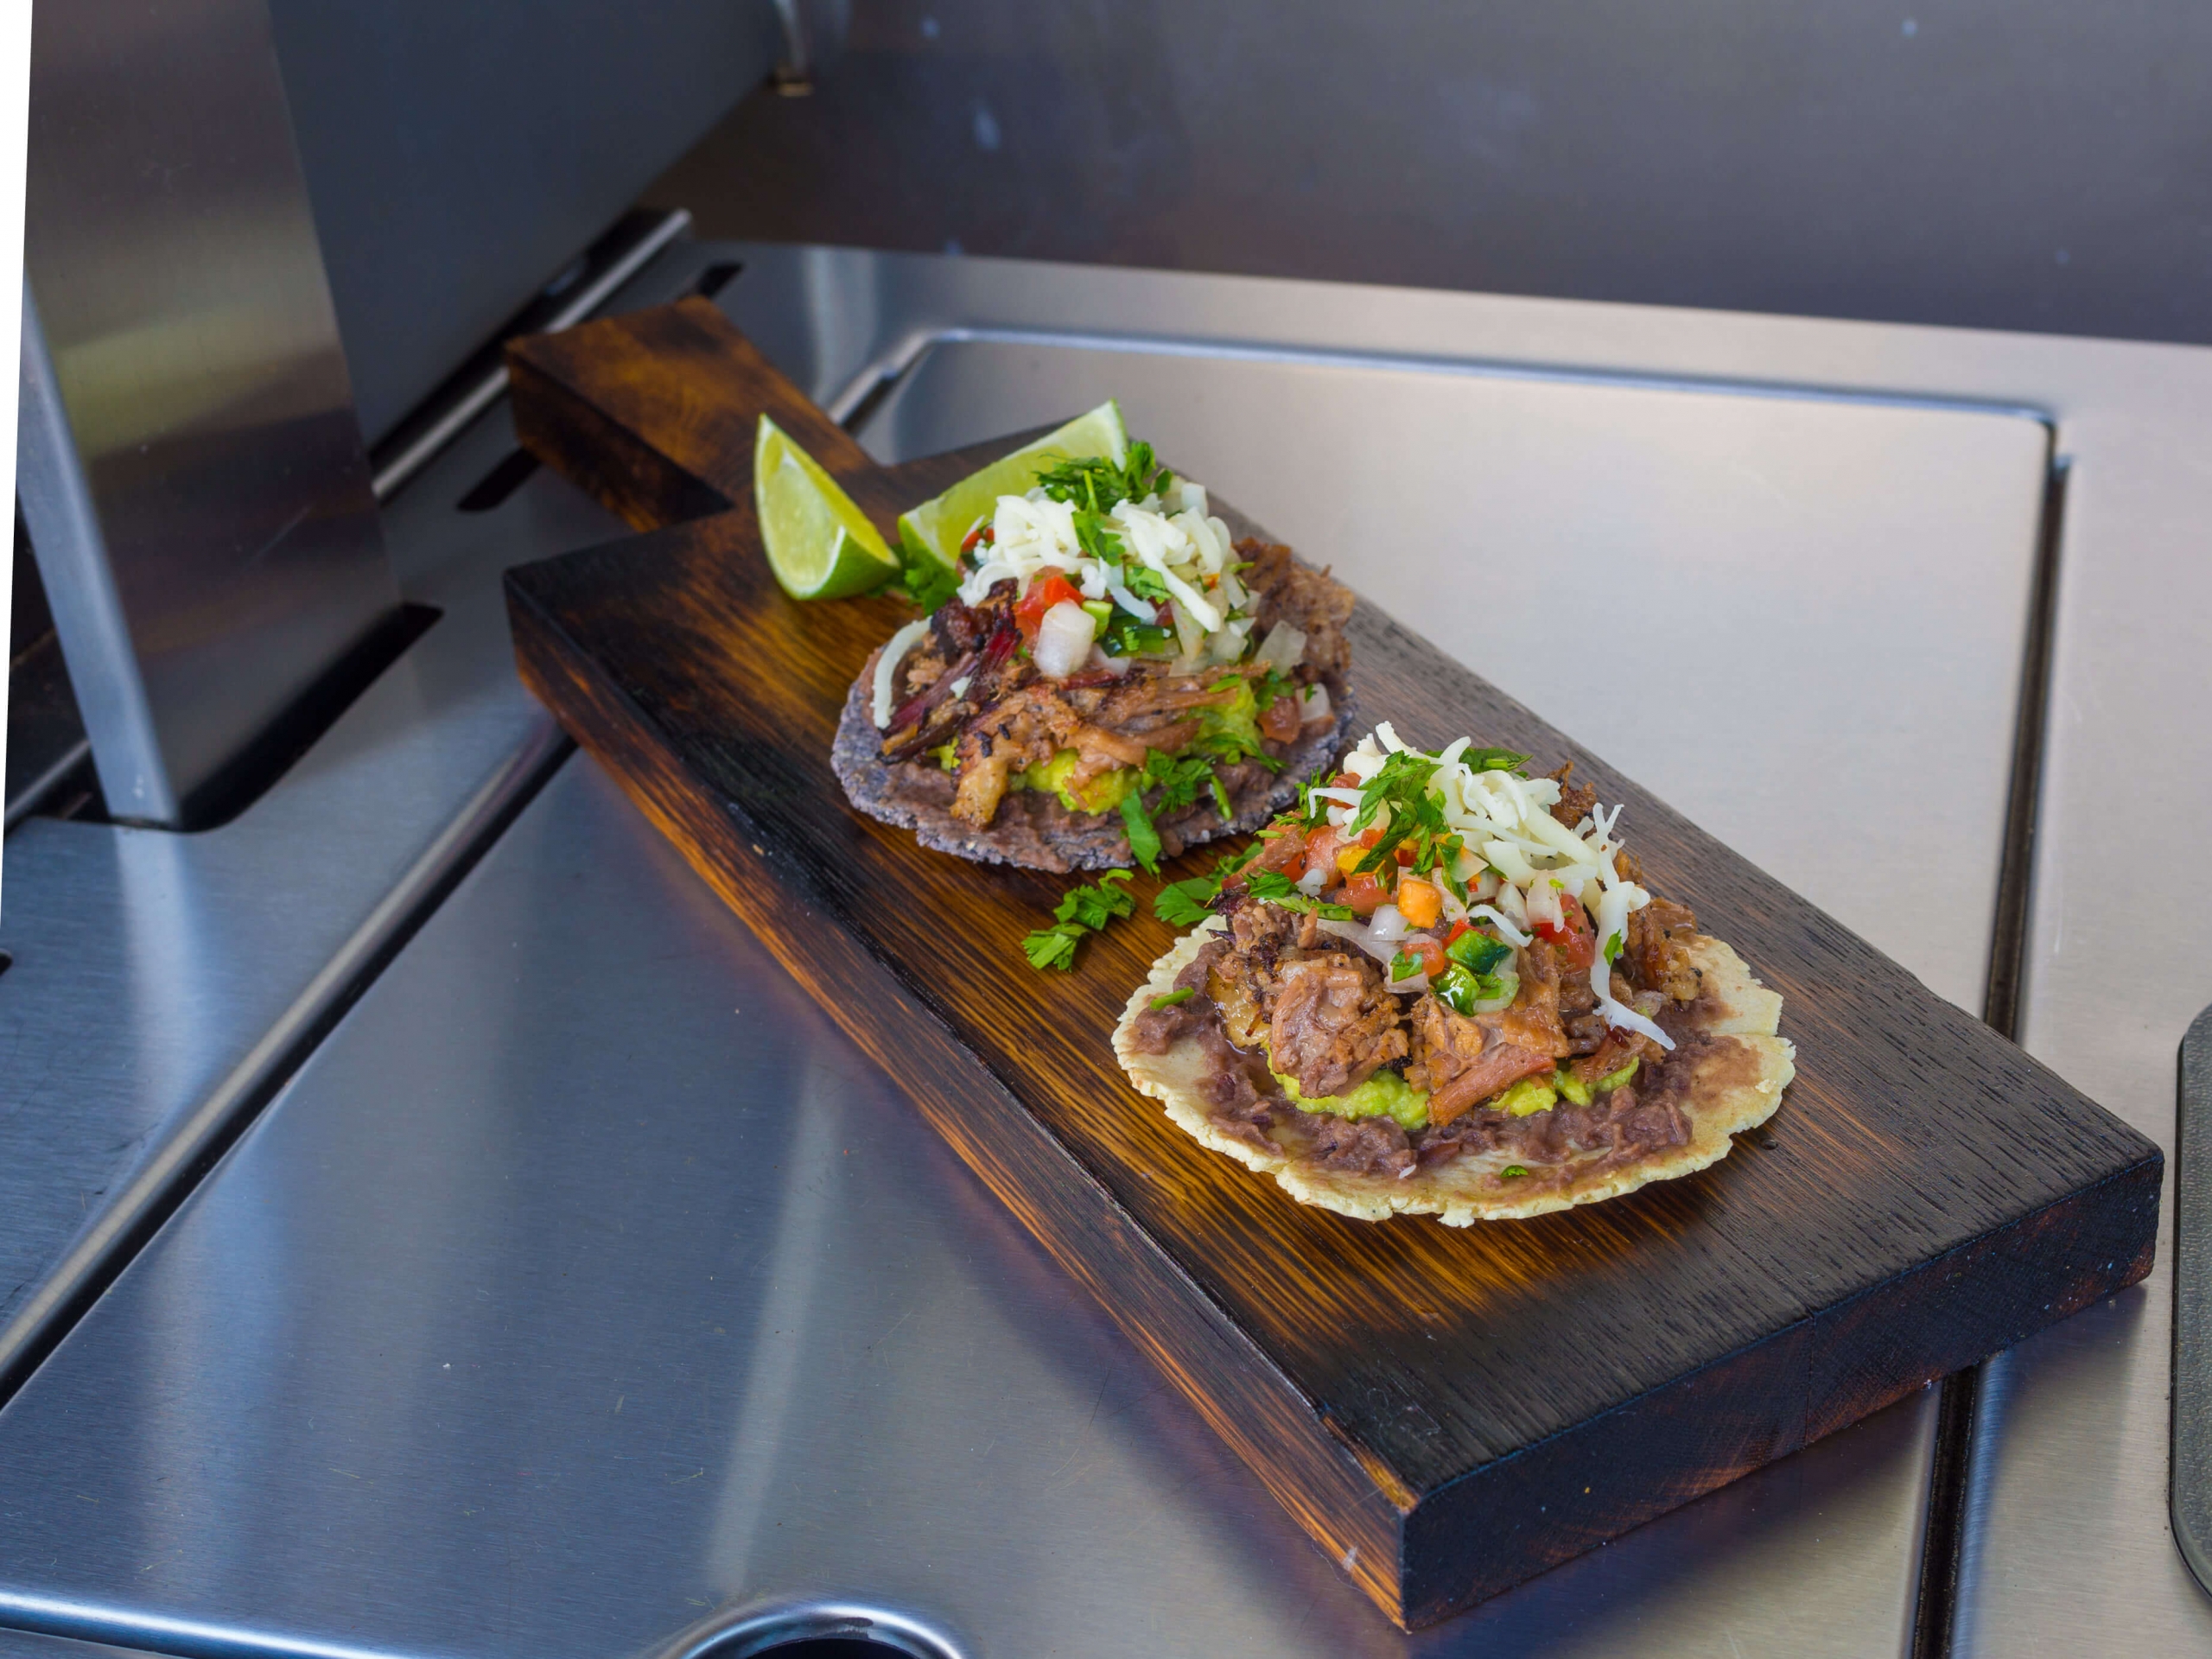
1990 163
460 155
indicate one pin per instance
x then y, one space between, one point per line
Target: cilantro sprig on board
1082 911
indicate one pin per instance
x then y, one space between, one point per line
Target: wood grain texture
1446 1412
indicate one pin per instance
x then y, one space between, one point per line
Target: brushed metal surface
588 1281
194 483
159 980
429 429
1817 1555
26 1644
2071 1545
1837 1528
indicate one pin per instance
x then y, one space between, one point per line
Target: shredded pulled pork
1658 948
1281 998
970 686
1322 1013
1333 1023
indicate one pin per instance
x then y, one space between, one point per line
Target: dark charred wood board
1446 1412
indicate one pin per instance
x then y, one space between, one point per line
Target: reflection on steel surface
771 1629
161 980
193 477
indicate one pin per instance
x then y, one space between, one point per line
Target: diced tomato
1321 845
1030 609
1420 901
1463 925
1345 781
1372 837
1405 852
1365 893
1434 961
1576 941
976 535
1284 848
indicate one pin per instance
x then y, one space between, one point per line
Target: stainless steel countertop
2070 1544
259 1396
588 1281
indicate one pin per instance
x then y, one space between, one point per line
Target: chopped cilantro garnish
923 580
1279 889
1169 999
1511 1170
1613 948
1404 965
1188 902
1271 686
1099 486
1185 904
1053 947
1144 840
1081 911
1493 760
1098 904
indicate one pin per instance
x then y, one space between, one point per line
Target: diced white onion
1282 649
1064 637
1354 934
1314 704
1117 666
1388 922
1510 901
895 650
1542 901
960 686
1191 636
1226 643
1454 910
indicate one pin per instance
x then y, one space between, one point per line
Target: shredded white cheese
886 666
1188 548
1541 864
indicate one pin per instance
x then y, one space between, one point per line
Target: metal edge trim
1950 1473
484 393
80 1621
901 357
163 1182
2188 1493
27 802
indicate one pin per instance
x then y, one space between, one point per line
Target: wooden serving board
1446 1412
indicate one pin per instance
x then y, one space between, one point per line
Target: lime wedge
820 546
940 524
